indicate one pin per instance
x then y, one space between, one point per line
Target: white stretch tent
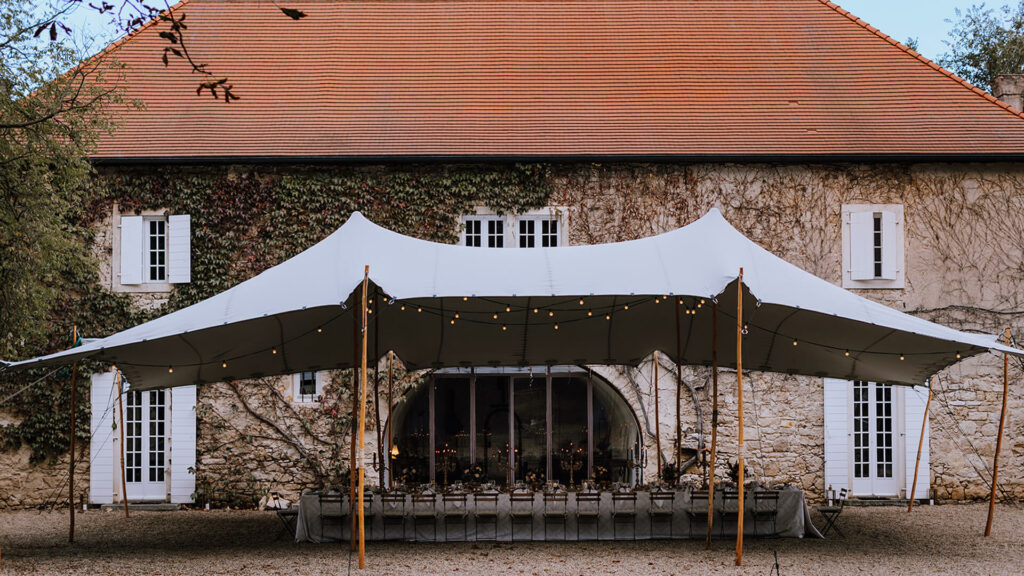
599 304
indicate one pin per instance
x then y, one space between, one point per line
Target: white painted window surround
544 227
908 410
178 483
301 396
154 251
873 246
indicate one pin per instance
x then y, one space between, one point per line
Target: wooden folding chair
424 509
662 505
698 510
486 512
588 509
393 505
333 509
522 510
623 510
556 509
455 508
766 506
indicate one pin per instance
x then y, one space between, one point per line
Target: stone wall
44 484
964 249
964 253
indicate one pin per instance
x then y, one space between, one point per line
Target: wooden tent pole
657 419
120 410
739 397
920 444
999 438
391 427
714 422
71 458
679 398
362 428
352 441
376 391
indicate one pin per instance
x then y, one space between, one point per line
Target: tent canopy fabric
439 305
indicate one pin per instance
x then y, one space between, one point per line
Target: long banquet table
793 520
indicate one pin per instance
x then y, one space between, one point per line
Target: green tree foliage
49 119
986 42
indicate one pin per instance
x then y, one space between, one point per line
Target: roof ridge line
924 60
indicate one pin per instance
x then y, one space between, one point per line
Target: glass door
874 440
145 422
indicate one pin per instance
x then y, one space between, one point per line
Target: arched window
566 425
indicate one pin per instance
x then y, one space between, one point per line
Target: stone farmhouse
524 125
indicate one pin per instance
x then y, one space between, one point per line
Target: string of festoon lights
506 315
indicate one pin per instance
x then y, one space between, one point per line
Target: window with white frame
155 251
873 246
543 228
307 387
155 256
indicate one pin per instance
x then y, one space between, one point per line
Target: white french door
876 445
145 444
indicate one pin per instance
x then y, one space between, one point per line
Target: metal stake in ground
999 438
920 443
739 397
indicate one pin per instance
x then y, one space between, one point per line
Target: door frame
873 486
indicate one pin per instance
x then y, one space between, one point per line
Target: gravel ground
933 540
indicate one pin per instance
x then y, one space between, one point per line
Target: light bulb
958 355
794 342
551 313
657 301
319 330
456 314
847 353
453 320
901 357
223 364
626 307
170 370
607 316
581 301
590 313
403 308
535 310
274 351
556 326
418 309
464 298
495 316
504 328
508 308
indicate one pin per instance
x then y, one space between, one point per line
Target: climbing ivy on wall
245 219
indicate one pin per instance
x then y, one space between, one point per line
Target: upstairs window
873 254
155 252
486 231
541 228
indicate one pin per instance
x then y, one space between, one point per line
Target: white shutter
837 439
862 256
104 442
179 248
913 405
131 250
183 443
890 249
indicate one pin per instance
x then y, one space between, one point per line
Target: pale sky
901 19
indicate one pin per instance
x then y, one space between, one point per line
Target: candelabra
638 461
504 465
571 460
446 461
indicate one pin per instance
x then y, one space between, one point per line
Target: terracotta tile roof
550 78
